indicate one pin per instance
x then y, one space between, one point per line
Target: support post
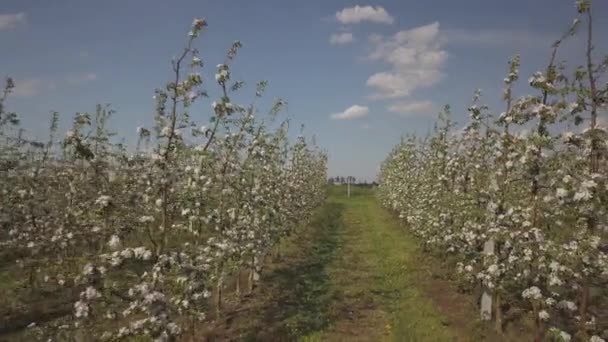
486 297
348 186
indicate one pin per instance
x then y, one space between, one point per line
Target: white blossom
114 242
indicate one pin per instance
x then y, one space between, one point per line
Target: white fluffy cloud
75 79
412 108
10 21
352 112
357 14
341 38
35 86
30 87
416 58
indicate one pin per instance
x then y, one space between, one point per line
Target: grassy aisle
378 265
355 275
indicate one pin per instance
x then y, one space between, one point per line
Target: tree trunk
498 310
250 276
238 283
583 310
218 296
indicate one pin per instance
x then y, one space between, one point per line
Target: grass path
353 276
386 276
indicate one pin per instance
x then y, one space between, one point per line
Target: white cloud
10 21
35 86
341 38
352 112
28 88
412 108
75 79
84 54
416 58
90 76
357 14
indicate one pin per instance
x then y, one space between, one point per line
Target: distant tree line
349 179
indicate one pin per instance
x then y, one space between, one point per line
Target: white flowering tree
142 242
536 200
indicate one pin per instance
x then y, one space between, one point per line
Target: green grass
386 260
305 284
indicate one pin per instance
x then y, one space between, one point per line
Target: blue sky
393 63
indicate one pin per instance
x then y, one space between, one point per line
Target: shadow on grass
297 292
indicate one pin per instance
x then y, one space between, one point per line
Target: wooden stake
486 298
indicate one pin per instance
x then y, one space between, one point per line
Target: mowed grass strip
377 267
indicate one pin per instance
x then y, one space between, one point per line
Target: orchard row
518 202
145 239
